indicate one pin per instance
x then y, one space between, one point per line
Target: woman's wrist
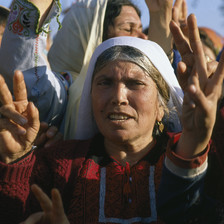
159 31
191 145
13 158
22 158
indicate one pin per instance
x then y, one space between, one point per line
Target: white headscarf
73 46
86 126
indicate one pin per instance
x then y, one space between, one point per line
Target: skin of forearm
190 145
159 31
44 7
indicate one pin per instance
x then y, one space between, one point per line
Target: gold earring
160 126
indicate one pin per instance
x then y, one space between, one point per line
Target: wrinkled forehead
123 54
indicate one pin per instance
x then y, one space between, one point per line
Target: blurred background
209 13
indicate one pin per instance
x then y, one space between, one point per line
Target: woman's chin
119 137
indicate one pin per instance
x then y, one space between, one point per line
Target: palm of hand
199 106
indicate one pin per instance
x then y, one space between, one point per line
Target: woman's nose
140 34
119 95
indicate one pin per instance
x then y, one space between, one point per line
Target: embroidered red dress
95 188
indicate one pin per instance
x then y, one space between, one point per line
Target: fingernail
192 103
22 131
193 88
22 121
50 133
47 145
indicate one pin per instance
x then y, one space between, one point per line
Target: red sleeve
180 161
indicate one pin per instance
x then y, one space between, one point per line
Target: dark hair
207 41
4 12
112 11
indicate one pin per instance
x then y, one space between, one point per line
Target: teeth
118 117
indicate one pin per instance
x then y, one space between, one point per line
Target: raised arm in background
160 16
23 45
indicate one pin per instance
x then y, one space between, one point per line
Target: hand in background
179 15
47 135
160 16
53 211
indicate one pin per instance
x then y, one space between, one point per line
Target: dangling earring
160 126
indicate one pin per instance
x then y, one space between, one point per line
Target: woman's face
125 102
127 23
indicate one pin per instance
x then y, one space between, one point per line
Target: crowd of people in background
107 122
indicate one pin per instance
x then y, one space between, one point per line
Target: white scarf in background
73 46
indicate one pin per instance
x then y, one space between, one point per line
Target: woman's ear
160 113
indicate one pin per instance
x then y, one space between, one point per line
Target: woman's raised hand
19 121
202 92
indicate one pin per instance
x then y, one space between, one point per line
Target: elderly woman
114 177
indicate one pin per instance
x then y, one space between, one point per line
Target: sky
208 12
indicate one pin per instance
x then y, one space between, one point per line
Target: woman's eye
127 30
139 83
104 83
135 84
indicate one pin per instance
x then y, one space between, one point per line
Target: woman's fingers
5 95
33 116
20 94
220 70
44 200
196 45
53 140
33 122
182 44
52 131
48 136
6 125
211 67
176 10
183 75
184 9
58 207
196 95
9 112
19 86
53 210
57 203
217 78
34 218
15 123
